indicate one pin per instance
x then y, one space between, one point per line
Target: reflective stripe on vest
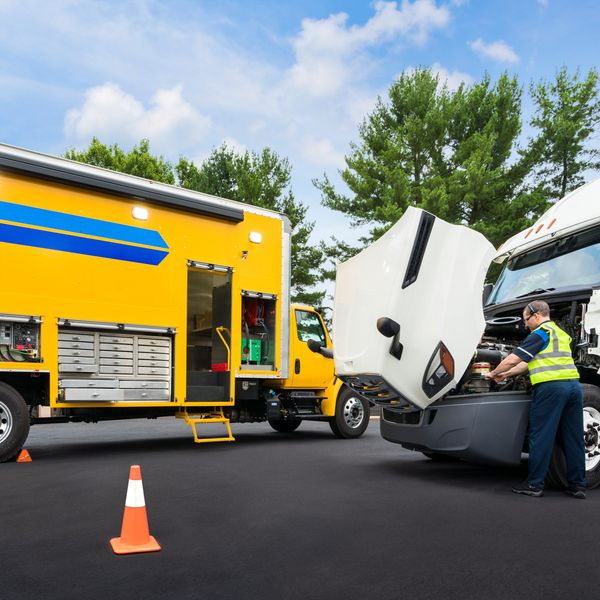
555 361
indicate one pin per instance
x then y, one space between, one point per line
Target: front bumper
481 428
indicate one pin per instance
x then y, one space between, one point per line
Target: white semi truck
411 332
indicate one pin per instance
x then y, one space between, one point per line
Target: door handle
297 366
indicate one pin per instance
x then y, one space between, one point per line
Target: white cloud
327 50
498 51
360 103
452 79
321 151
543 3
111 114
189 81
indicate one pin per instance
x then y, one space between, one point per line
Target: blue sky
296 76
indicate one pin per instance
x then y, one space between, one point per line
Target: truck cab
309 392
312 391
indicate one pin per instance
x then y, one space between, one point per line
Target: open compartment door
259 339
208 333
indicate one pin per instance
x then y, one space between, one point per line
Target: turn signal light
439 372
447 360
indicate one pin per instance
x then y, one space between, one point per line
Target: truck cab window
570 261
310 327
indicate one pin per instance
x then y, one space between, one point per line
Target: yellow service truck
122 297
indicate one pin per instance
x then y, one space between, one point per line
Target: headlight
439 372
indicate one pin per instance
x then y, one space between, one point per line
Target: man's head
535 313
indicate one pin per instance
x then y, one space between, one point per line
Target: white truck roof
578 210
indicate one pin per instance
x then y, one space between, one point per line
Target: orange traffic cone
24 456
135 536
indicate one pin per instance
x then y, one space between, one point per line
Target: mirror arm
314 346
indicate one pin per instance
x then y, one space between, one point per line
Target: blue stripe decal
40 217
25 236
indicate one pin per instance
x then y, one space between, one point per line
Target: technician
557 403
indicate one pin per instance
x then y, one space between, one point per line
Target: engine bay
505 330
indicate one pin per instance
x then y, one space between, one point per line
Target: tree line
465 155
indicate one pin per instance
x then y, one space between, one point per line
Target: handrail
219 329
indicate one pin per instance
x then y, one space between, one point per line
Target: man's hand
512 365
497 377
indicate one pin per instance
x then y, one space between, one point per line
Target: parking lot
301 515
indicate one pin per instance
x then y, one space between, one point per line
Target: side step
200 418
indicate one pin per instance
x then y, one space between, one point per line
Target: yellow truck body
123 293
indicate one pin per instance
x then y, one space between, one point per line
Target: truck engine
505 331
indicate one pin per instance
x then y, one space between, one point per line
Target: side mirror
314 346
390 329
487 290
387 327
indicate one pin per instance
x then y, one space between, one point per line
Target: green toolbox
251 350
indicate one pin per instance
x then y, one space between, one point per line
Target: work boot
576 491
528 490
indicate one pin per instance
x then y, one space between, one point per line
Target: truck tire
557 474
352 414
14 422
285 425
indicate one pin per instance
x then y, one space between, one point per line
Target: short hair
540 307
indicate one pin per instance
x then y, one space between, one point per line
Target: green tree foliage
261 179
139 161
453 153
214 176
567 115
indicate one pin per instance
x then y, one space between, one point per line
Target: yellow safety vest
555 361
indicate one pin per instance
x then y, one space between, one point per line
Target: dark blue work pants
556 407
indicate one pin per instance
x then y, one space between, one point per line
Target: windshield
570 261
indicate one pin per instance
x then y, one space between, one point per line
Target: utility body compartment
108 296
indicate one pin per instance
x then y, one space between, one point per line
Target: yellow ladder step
195 419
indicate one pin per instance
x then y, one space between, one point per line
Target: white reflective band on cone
135 494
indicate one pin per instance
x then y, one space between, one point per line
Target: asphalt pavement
300 515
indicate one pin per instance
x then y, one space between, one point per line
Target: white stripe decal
135 494
522 350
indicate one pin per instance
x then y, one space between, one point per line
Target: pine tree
567 115
453 153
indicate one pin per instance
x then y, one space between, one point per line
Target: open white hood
427 276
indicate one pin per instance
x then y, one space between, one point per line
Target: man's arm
516 363
512 365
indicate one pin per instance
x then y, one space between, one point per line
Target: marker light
255 237
140 213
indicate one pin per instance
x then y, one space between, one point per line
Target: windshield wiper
536 292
